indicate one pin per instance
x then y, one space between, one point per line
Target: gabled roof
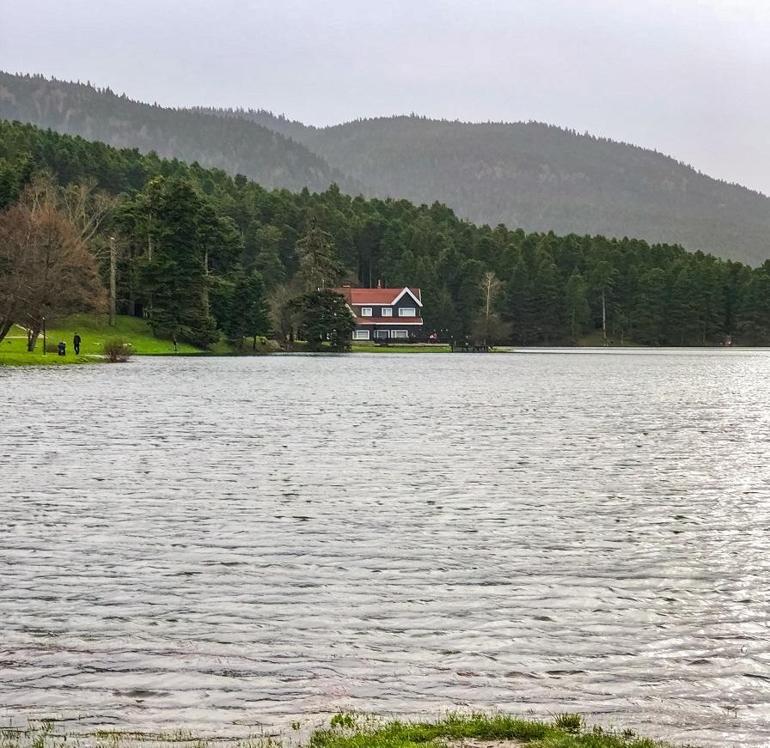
378 296
391 321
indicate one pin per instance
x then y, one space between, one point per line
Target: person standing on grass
76 344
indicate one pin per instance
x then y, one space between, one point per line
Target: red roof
363 296
395 321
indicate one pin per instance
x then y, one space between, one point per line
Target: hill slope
232 144
544 178
527 175
551 289
540 178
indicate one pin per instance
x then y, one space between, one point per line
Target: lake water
220 544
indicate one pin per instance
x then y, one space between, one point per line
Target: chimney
379 284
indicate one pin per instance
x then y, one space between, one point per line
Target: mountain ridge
535 176
281 122
231 144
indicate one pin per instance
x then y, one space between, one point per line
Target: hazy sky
690 78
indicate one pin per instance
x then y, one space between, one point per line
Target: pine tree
577 308
173 273
519 305
319 266
248 313
325 317
548 301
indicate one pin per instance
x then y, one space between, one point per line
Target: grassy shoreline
362 731
95 330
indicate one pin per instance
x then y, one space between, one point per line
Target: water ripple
227 542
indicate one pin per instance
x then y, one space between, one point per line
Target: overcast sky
690 78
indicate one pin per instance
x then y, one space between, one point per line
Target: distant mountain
529 175
544 178
540 178
233 144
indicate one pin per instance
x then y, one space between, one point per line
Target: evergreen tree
649 315
324 316
548 299
519 305
577 308
248 312
266 257
602 280
318 264
682 323
173 272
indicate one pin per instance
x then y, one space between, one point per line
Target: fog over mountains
529 175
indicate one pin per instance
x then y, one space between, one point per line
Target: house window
407 311
381 334
366 311
387 311
360 334
401 334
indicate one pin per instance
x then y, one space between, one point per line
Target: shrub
117 349
572 723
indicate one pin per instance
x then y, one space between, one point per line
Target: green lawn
403 348
93 330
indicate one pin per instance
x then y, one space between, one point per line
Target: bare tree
490 286
91 210
47 266
284 317
15 267
88 208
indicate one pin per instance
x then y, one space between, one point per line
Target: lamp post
45 345
113 291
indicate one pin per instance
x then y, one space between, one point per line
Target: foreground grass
566 731
356 731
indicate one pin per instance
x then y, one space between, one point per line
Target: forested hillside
526 175
232 144
199 249
541 178
544 178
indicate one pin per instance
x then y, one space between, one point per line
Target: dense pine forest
528 175
206 254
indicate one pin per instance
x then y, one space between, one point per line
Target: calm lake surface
220 544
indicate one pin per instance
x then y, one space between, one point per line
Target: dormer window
366 311
407 311
387 311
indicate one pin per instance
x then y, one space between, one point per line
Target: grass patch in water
360 731
566 731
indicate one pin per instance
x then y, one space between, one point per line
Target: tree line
202 254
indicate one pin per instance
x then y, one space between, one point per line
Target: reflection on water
224 543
